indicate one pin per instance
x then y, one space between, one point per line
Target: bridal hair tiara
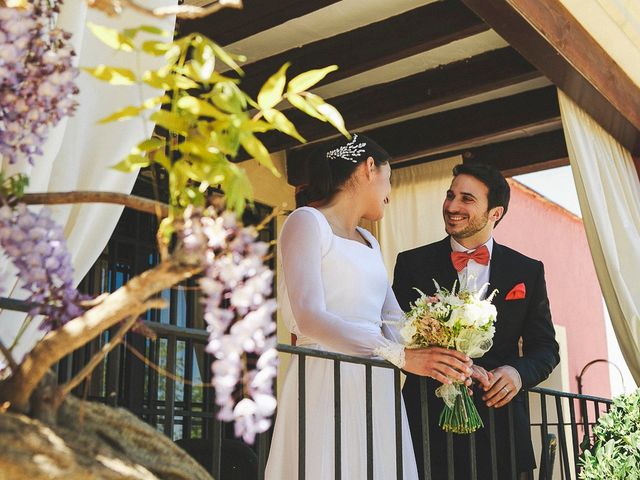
350 152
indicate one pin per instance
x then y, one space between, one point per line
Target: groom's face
466 210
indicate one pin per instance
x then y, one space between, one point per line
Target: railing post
397 389
369 408
424 409
301 416
337 416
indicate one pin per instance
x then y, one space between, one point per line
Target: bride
336 297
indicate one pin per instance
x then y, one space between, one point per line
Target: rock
90 441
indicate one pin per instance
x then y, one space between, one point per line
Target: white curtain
79 152
609 194
414 215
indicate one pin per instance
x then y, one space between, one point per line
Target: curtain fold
414 214
609 193
79 152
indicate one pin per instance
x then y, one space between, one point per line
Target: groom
475 203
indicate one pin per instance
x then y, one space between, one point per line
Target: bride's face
376 190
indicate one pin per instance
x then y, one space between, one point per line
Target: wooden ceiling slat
476 75
452 129
229 25
512 157
554 41
374 45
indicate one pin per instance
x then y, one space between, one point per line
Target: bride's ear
369 168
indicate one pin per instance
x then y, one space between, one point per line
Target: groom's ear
496 213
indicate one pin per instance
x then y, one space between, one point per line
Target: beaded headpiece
350 152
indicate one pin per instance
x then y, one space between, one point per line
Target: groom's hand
441 364
481 376
506 383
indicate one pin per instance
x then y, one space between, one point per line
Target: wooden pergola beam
511 157
448 83
229 26
547 35
380 43
453 129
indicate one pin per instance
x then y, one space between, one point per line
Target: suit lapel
444 273
500 274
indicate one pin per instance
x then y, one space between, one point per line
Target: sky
557 185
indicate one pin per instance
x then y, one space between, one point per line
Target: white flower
407 331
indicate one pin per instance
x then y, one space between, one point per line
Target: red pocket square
517 293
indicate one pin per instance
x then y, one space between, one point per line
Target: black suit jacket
528 318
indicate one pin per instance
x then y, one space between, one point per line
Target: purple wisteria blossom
36 79
37 247
239 313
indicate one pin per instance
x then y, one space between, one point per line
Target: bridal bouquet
459 320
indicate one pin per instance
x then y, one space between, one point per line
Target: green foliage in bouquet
615 453
207 116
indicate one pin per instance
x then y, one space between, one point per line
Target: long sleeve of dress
301 254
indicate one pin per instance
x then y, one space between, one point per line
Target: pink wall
543 230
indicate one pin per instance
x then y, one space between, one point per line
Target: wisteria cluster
237 287
36 78
37 247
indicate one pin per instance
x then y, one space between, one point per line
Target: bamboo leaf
329 112
131 111
227 58
306 80
131 163
257 150
112 37
271 92
153 143
123 114
170 121
155 48
282 123
167 81
112 75
301 104
199 107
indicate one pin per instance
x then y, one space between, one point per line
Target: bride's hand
441 364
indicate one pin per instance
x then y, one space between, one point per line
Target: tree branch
115 7
121 304
134 202
63 390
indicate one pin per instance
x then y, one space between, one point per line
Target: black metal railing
180 403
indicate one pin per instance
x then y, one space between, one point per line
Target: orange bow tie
460 259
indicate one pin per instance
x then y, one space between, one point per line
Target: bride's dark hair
331 165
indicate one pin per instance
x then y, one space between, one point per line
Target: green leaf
199 107
123 114
228 97
154 30
329 112
131 111
167 81
227 58
112 37
306 80
171 121
155 48
131 163
271 92
301 104
112 75
160 158
153 143
257 150
282 123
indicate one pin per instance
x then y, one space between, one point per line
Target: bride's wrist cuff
392 352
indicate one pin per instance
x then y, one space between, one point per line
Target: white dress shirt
474 275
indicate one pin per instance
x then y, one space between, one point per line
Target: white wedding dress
335 297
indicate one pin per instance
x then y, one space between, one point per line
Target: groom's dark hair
499 190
